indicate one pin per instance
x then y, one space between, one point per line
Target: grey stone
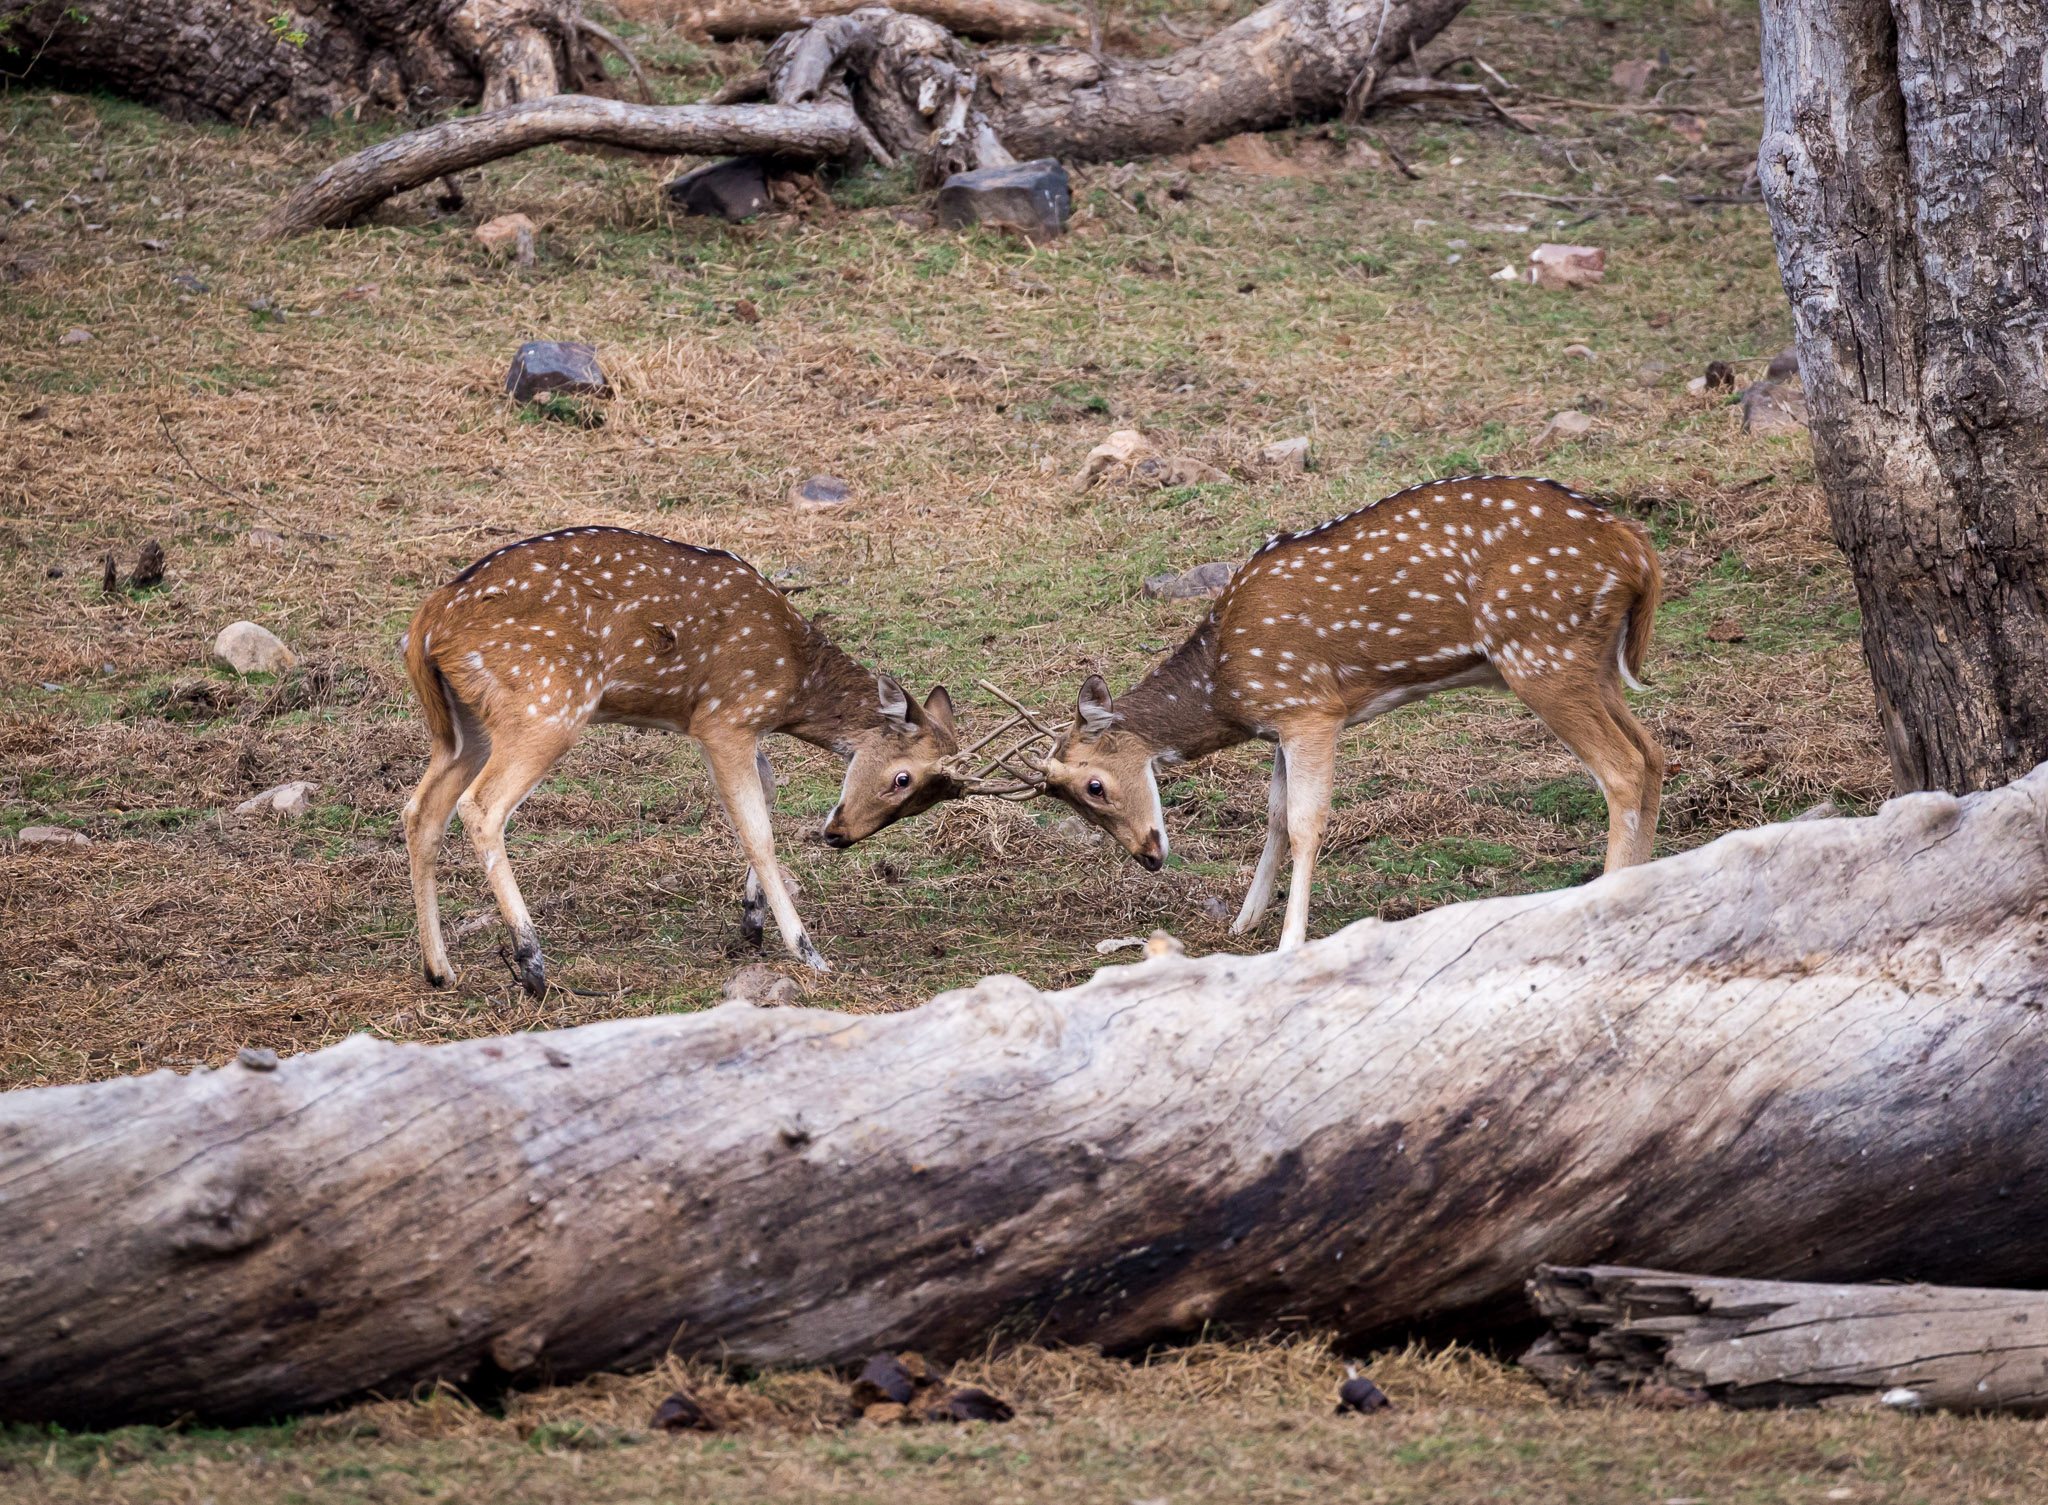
1770 407
1651 373
288 800
1825 810
1784 365
52 836
257 1058
1033 196
763 986
1077 832
544 367
1288 454
1203 580
820 494
1215 909
735 189
248 649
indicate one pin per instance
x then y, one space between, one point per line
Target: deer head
1105 773
899 768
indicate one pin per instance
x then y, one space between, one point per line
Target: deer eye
1095 788
903 779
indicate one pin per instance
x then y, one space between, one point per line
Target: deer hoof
810 956
532 969
439 979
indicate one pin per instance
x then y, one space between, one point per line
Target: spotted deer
1484 580
516 655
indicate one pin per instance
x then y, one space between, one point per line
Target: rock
288 801
1360 1396
1825 810
1176 470
1076 832
733 190
1726 630
545 367
970 1403
1719 375
1564 427
248 649
1203 580
680 1412
1567 266
762 986
52 836
1578 351
1505 274
1651 373
263 538
75 337
509 235
1633 78
1697 385
1784 365
1215 909
256 1058
1288 454
1770 407
746 311
149 566
820 494
886 1378
1033 196
1122 450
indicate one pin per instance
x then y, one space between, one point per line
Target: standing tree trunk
1903 165
1814 1050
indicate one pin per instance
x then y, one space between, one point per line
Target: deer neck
1174 707
835 700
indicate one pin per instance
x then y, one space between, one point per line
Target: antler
1024 782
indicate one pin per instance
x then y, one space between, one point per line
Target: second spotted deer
1483 580
526 647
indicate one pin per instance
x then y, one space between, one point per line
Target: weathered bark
222 59
1903 165
337 195
918 91
977 20
1786 1343
1813 1050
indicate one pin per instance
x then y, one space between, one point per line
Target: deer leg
737 780
427 814
1652 796
507 779
1260 894
1577 710
1311 771
753 906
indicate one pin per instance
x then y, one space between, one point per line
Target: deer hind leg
514 768
1577 708
1311 755
427 814
1652 797
753 903
734 774
1260 894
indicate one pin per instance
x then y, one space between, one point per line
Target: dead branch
980 20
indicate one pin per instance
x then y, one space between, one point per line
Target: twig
197 475
1618 108
591 28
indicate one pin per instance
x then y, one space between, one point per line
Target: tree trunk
917 91
223 60
1782 1343
1813 1050
978 20
1903 165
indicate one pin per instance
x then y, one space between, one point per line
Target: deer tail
426 679
1634 645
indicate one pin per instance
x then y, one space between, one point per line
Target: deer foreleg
753 904
1260 894
737 779
1311 770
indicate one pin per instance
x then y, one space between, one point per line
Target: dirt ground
316 434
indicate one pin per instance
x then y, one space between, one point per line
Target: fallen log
1812 1050
1746 1343
732 20
914 89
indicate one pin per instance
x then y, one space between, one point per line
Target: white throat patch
1158 810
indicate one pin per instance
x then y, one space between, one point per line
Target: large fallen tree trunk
977 20
1789 1343
919 92
1813 1050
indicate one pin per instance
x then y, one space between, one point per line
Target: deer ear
893 703
1092 709
938 712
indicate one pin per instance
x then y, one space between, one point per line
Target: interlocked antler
1024 782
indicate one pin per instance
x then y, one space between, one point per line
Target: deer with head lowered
522 650
1484 580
